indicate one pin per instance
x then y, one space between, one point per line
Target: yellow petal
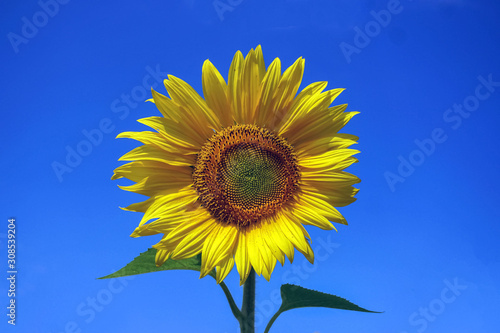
314 119
173 133
168 222
138 170
342 119
309 216
293 233
224 269
289 84
260 253
253 251
161 256
140 207
266 271
340 178
309 254
241 257
332 160
234 85
299 105
170 110
217 247
337 196
268 234
322 145
265 112
185 96
199 221
322 207
151 186
152 153
186 120
215 92
166 204
318 124
250 88
144 230
193 242
301 236
280 237
150 138
260 62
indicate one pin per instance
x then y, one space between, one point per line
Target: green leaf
145 263
295 297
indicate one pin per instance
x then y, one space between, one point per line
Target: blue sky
422 240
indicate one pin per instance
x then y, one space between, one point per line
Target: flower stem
247 322
232 304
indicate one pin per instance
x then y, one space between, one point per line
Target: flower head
237 174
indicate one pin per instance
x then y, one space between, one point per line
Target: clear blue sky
422 240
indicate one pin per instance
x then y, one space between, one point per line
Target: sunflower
237 175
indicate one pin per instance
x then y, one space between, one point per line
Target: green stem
271 322
247 322
232 304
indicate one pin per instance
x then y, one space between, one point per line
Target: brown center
244 173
